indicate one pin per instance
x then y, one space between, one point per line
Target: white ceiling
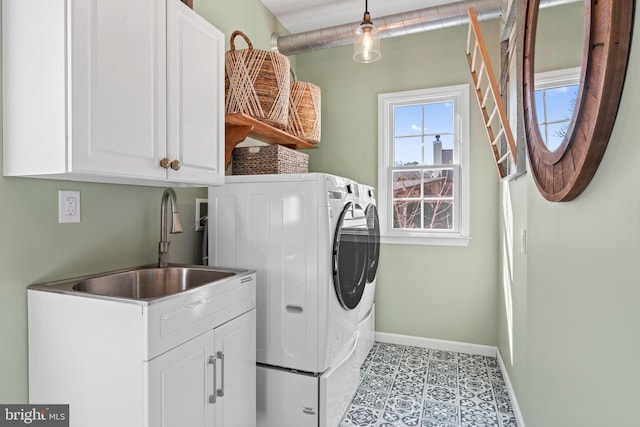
305 15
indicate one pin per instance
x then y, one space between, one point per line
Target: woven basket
304 111
269 159
257 83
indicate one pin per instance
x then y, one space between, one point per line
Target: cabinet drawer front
184 318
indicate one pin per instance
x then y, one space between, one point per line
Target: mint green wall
249 16
426 291
120 224
569 306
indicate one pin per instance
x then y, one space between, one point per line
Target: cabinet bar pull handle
212 397
220 391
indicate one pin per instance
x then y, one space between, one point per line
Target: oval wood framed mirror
563 174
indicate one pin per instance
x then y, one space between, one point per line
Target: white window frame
557 78
460 235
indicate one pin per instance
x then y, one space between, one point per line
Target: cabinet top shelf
266 133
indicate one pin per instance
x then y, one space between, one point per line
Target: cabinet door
195 73
235 344
118 81
180 383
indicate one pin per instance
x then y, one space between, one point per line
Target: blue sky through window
554 108
415 129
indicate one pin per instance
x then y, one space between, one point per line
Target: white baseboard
512 395
483 350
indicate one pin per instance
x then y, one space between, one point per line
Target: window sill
425 240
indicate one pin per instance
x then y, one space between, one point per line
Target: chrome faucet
176 228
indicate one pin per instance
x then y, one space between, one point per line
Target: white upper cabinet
103 90
195 80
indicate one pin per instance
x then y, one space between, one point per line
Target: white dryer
306 236
366 308
367 201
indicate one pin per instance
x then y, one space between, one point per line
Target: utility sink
150 282
144 283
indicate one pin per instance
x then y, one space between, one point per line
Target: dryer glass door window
350 255
373 234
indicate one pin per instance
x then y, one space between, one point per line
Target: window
423 176
555 98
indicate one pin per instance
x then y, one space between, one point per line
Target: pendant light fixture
366 42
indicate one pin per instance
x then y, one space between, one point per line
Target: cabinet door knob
173 164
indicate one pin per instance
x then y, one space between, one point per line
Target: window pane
555 135
406 184
406 214
438 183
438 150
438 215
407 120
560 102
438 118
407 151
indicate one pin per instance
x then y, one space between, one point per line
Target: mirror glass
558 57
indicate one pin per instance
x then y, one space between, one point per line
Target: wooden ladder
488 94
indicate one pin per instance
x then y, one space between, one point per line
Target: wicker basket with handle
304 111
257 83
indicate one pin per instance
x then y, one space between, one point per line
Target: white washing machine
306 235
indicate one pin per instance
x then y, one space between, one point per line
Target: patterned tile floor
413 386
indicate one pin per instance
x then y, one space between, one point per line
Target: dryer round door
373 234
350 247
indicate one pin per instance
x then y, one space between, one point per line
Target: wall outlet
68 206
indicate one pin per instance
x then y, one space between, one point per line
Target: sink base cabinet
99 357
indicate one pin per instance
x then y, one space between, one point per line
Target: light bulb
366 43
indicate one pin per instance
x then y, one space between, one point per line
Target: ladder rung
493 114
469 40
482 71
473 57
485 97
504 157
498 136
